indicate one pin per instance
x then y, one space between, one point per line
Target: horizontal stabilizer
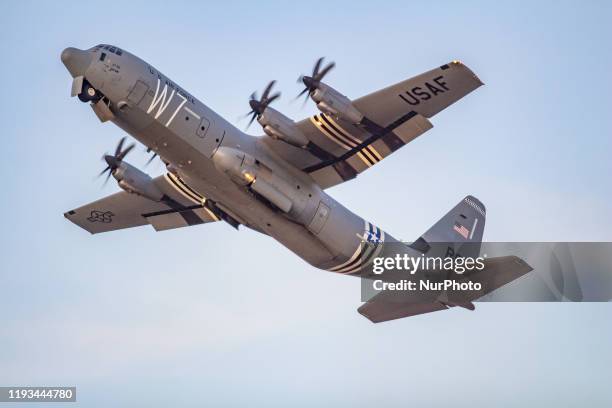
390 305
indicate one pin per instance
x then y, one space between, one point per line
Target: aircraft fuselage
204 150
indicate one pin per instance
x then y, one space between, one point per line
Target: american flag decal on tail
461 230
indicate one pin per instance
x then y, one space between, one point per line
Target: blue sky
208 316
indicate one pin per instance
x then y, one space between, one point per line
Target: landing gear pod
245 170
272 194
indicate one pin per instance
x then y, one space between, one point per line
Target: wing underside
181 206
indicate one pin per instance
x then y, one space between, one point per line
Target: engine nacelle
137 182
332 102
278 126
245 170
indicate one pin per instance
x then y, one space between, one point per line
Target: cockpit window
110 48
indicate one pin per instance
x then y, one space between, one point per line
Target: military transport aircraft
275 183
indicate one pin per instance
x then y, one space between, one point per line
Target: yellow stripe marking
338 141
350 136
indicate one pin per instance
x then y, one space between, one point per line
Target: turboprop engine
332 102
274 124
328 100
245 170
278 126
136 181
129 177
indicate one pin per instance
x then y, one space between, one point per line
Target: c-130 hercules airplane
274 184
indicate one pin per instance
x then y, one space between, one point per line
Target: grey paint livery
217 172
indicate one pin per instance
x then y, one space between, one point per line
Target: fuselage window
102 56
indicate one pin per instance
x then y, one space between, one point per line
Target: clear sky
208 316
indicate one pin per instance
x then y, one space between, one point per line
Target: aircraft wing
498 271
180 207
394 116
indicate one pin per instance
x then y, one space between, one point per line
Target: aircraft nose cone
76 61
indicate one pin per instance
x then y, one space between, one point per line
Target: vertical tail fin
462 226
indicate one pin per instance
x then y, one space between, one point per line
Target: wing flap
410 130
176 219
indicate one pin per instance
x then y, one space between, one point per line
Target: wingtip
361 310
459 63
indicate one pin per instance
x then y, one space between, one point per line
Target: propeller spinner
259 106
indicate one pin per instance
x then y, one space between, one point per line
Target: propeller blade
246 115
252 119
125 152
104 171
302 93
107 177
267 91
316 67
151 159
119 147
272 98
326 70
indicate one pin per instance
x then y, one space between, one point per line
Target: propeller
149 150
115 160
259 106
312 82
